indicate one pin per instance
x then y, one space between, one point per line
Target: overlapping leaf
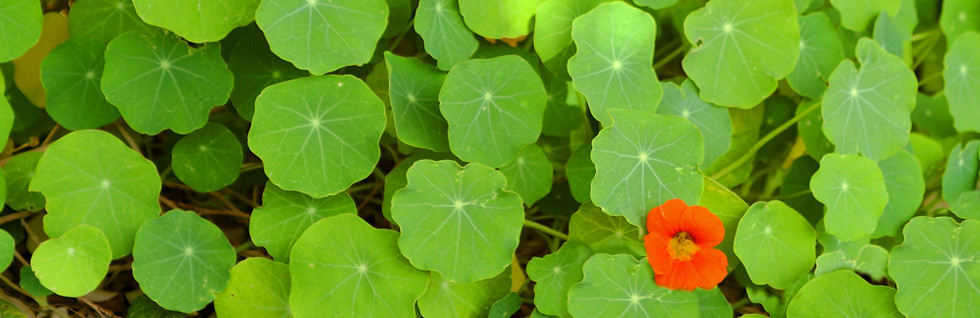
906 186
958 17
820 52
447 39
553 31
414 93
555 274
20 27
258 288
857 14
854 190
498 19
197 20
105 19
255 68
71 75
842 294
530 175
18 174
962 77
74 263
775 244
962 167
714 123
621 286
207 159
285 215
447 299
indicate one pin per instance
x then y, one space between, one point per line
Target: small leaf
530 175
71 75
7 249
29 282
447 39
842 294
554 275
285 215
713 304
621 286
854 190
580 171
207 159
446 299
962 169
414 93
21 27
605 233
18 172
870 260
857 14
730 208
506 307
74 263
775 244
962 77
810 129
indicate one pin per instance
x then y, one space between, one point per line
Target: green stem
401 36
545 229
244 246
930 78
41 301
923 53
762 142
924 35
666 59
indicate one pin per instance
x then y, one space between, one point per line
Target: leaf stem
401 35
15 216
762 142
930 78
41 301
545 229
129 139
670 57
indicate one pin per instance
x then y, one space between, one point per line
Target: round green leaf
857 14
255 68
284 215
957 17
317 135
494 107
18 173
20 27
446 38
448 299
158 83
620 286
906 187
555 274
29 282
714 122
854 190
962 167
71 74
208 159
605 233
197 20
7 246
457 221
414 93
730 208
753 41
258 288
820 52
612 67
498 19
842 294
962 77
323 36
553 31
868 111
334 275
775 244
967 205
396 179
105 19
937 268
580 171
74 263
90 177
638 168
530 175
180 260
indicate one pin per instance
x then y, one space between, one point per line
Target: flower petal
704 226
705 270
656 246
666 219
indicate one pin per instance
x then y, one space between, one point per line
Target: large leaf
71 74
258 288
775 244
285 215
447 39
414 92
197 20
73 265
962 77
842 294
854 190
621 286
20 27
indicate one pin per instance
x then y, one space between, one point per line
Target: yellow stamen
682 247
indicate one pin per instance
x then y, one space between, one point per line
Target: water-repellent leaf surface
553 31
317 135
71 74
962 76
258 288
207 159
775 244
414 92
20 27
458 221
90 177
285 215
621 286
854 190
255 68
555 274
714 122
446 37
343 267
842 294
180 260
74 263
197 20
105 19
612 64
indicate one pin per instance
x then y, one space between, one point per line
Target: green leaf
334 275
936 268
494 107
317 135
810 129
756 42
655 4
180 260
638 168
905 185
446 38
185 83
560 116
20 27
553 31
142 306
854 190
842 294
399 15
414 93
962 169
775 244
714 123
258 288
29 282
857 14
554 275
956 18
457 221
932 115
208 159
580 171
323 36
285 215
396 179
712 303
506 307
255 68
967 206
612 67
105 19
870 260
197 20
74 263
530 175
820 52
868 111
730 208
447 299
621 286
18 172
7 249
90 177
962 77
605 233
498 19
71 76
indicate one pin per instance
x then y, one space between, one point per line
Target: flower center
682 247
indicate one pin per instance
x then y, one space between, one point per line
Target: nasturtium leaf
258 288
158 83
553 31
20 27
753 41
655 4
605 233
857 14
197 20
71 76
530 175
638 167
961 171
871 260
494 107
962 77
554 275
447 39
746 127
810 129
180 260
892 35
74 263
967 205
714 122
957 17
317 135
335 275
854 190
775 244
6 113
712 303
207 159
255 68
506 307
105 19
905 185
284 215
414 93
820 52
621 286
445 298
498 19
612 66
929 153
323 36
457 221
18 174
399 15
396 179
29 282
868 110
90 177
730 208
7 246
560 116
580 171
842 294
932 115
143 306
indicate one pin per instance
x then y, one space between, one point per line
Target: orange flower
679 246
